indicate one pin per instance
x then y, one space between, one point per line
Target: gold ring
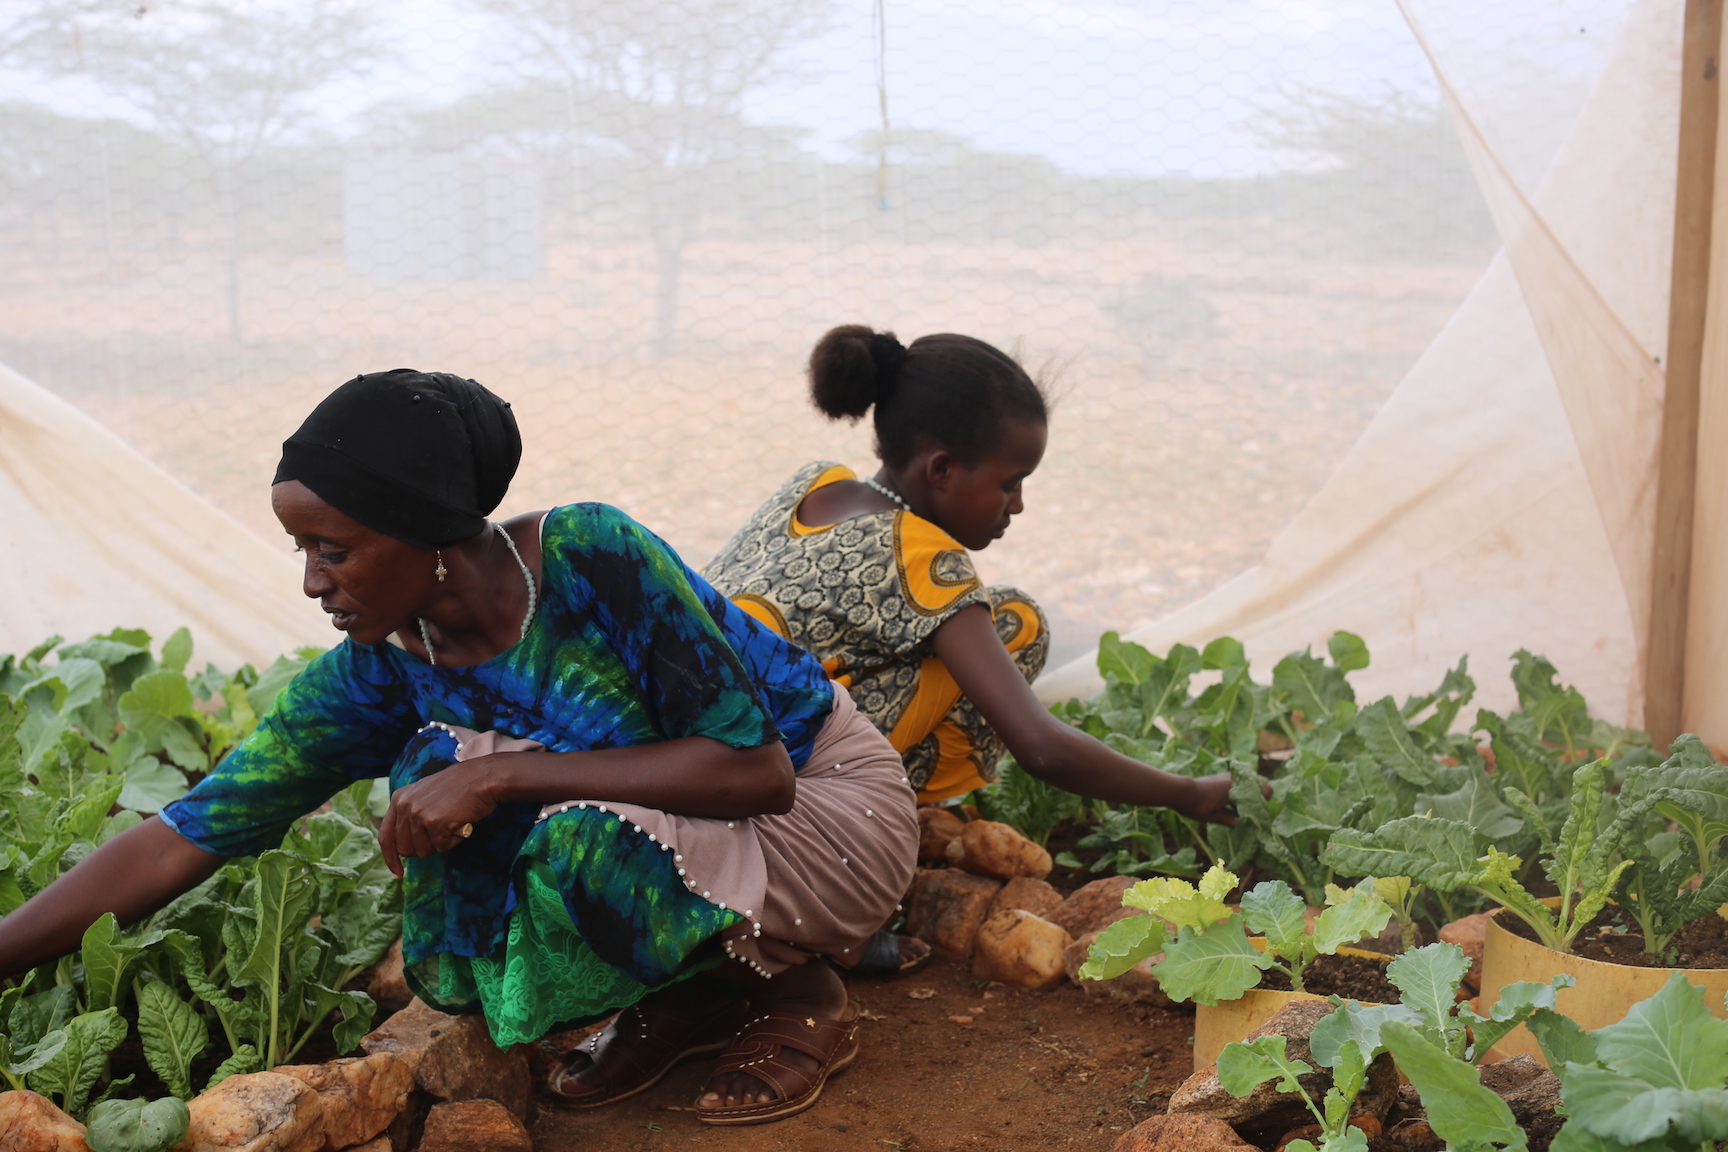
465 831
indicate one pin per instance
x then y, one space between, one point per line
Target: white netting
1231 229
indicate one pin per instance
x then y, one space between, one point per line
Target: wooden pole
1665 669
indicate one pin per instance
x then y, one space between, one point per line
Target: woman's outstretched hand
428 816
1211 801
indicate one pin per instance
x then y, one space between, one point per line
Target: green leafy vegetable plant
1211 957
1654 1082
1584 862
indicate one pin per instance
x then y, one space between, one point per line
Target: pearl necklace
533 598
888 492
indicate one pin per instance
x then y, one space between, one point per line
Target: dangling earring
441 572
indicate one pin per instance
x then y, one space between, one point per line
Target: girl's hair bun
844 380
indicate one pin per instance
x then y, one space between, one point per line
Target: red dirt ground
1032 1070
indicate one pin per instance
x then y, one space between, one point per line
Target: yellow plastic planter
1601 997
1225 1023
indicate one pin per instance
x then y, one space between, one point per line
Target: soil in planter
1352 977
1613 937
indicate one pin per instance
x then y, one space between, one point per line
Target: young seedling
1211 958
1653 1082
1425 1034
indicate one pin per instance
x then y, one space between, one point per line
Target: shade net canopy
1353 312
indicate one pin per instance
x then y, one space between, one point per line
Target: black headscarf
421 456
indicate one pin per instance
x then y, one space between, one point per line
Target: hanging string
882 100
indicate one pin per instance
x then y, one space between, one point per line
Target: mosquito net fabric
1507 487
1353 313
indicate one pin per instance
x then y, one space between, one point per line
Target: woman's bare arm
692 776
1055 752
132 876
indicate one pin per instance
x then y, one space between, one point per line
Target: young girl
873 577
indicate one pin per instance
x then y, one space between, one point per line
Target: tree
226 80
665 82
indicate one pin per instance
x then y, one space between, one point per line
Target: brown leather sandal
756 1051
641 1045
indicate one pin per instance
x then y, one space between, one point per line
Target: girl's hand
1210 801
428 816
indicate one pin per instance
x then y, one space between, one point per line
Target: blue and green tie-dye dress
575 916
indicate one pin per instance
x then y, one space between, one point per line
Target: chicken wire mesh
1222 231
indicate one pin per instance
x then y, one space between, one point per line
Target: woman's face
370 584
975 504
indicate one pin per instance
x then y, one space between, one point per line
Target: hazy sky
1097 86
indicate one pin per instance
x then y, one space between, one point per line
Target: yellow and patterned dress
865 596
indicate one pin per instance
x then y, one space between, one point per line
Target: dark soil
1613 937
1353 977
1028 1070
1065 837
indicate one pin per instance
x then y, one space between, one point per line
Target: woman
606 780
873 577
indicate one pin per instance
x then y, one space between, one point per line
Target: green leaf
1670 1040
177 651
357 1010
1383 730
1439 853
1183 904
1562 1041
1123 659
173 1034
1348 651
1358 1024
1310 686
1224 652
106 960
1206 968
1362 915
1460 1110
244 1062
1627 1110
76 1067
155 707
1272 910
1247 1064
34 1017
137 1125
1474 804
1518 1001
367 920
152 785
1121 946
1428 979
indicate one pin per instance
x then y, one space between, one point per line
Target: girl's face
975 504
370 584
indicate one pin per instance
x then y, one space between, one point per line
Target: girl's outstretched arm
1053 751
131 876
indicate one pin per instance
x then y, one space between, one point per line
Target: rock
472 1125
453 1057
387 987
1530 1090
1135 986
1034 896
946 907
1020 950
1180 1134
1469 934
31 1123
1414 1135
376 1144
988 848
937 828
1266 1110
1095 907
260 1112
361 1095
